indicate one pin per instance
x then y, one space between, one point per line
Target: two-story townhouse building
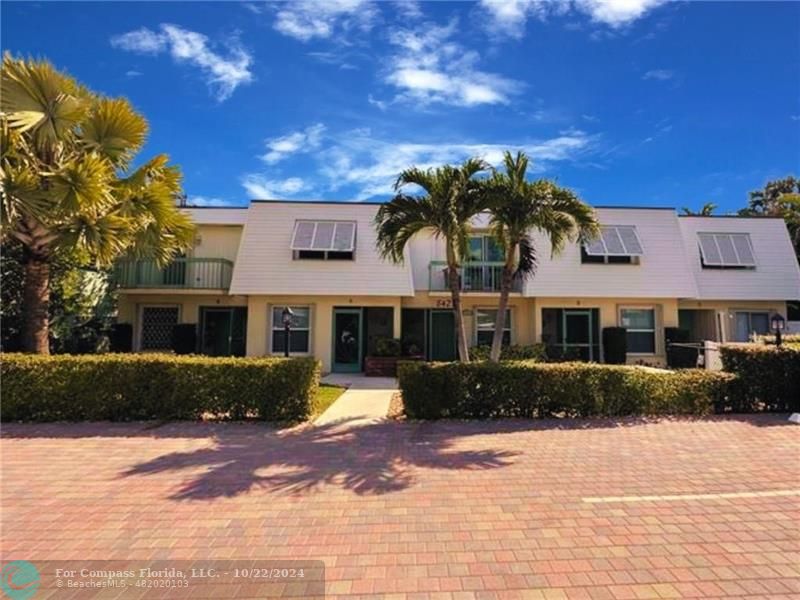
720 277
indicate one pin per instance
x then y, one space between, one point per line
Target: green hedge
124 387
529 352
768 378
528 389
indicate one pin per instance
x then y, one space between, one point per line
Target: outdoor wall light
778 324
286 315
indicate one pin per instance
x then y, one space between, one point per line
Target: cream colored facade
666 279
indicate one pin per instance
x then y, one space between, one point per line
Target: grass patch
326 395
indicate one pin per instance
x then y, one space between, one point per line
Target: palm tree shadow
377 458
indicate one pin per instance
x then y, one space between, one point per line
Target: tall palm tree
706 210
65 183
452 197
519 207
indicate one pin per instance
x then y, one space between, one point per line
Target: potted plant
383 361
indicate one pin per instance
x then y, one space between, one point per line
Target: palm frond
397 222
114 130
38 99
83 185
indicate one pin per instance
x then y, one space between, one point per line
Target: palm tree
452 197
706 210
518 207
66 184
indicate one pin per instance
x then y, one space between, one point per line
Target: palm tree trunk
35 304
500 322
455 292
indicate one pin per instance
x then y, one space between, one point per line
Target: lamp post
286 315
778 324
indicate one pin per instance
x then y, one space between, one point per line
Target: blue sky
630 102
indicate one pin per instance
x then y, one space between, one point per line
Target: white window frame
721 263
273 328
137 343
654 330
606 251
508 325
352 247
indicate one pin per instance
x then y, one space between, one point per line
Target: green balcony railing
473 276
181 273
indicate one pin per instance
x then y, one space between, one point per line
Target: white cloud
410 9
380 104
429 67
133 73
616 13
207 201
143 41
223 74
300 141
358 160
254 8
659 74
508 17
308 19
262 188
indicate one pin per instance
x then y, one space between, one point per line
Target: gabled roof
776 275
265 264
662 272
217 215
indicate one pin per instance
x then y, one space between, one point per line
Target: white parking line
680 497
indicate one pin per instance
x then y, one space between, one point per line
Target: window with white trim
485 319
299 333
615 244
640 325
726 251
324 240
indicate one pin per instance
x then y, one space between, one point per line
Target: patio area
602 509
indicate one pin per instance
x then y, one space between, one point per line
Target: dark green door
223 331
347 340
216 332
442 338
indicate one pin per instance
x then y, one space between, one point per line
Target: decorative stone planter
385 366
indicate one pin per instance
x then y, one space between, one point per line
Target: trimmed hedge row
767 377
126 387
529 352
529 389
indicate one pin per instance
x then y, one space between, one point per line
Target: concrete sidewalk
365 402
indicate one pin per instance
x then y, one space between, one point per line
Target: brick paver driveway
494 509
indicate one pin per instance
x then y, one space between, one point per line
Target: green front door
578 329
347 340
442 338
223 331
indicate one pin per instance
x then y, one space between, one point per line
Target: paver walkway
703 508
366 400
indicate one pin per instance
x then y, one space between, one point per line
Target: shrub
528 389
121 337
679 357
615 345
529 352
387 347
184 338
767 377
786 338
125 387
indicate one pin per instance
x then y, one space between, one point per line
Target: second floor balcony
181 273
481 277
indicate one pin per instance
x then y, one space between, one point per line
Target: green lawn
326 396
